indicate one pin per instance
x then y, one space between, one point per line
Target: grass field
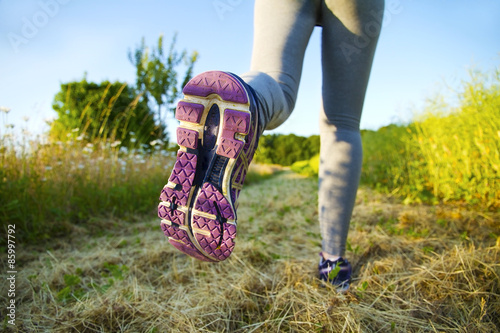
417 268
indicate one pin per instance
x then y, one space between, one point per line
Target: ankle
330 257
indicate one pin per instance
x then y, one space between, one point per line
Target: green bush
286 149
96 112
308 168
392 162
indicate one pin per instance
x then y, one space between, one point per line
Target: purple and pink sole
183 174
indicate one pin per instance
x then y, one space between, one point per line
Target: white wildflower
49 121
157 142
115 144
4 109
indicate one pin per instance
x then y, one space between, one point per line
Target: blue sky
424 46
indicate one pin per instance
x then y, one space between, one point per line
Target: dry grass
417 269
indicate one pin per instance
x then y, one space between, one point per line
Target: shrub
309 168
105 111
286 149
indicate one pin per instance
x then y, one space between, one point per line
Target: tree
156 76
103 111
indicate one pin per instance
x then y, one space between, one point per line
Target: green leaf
334 272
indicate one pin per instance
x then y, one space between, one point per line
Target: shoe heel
216 82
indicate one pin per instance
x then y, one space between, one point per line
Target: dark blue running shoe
337 272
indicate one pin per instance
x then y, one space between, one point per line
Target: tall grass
449 153
461 145
393 163
46 187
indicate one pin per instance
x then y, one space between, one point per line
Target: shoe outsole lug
190 112
187 138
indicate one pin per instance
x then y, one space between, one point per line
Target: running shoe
337 273
218 135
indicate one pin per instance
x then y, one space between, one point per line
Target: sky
426 46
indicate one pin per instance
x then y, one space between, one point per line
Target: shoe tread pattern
208 239
220 83
187 138
190 112
212 244
180 240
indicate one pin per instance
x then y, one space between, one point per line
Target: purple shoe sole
217 136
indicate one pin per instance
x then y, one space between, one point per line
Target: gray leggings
350 30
